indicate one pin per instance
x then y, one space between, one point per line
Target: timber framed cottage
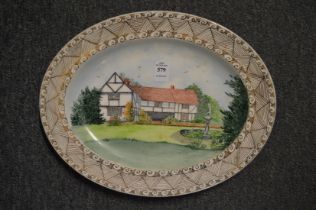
158 103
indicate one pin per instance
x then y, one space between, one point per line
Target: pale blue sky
187 64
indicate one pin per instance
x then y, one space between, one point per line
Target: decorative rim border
156 24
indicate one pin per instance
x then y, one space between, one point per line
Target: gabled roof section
179 96
114 83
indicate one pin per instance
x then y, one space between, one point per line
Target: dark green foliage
194 134
204 101
86 109
215 135
235 116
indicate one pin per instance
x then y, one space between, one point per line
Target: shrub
128 111
169 120
115 121
144 118
193 133
216 135
199 120
197 144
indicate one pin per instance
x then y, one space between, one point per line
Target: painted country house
158 103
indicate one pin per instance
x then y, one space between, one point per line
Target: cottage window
151 103
114 111
144 103
172 105
185 106
114 96
158 104
165 104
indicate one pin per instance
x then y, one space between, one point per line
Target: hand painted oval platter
157 103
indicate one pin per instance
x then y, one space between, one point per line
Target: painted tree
131 81
215 111
204 101
86 110
128 111
235 117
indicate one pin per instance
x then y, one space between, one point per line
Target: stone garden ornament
157 103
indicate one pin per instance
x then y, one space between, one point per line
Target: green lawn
146 133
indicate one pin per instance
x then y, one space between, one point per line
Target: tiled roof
166 95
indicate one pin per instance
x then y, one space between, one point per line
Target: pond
147 155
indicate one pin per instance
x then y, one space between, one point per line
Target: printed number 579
161 69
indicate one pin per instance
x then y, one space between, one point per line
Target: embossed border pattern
157 24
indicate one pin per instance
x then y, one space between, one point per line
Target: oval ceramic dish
157 103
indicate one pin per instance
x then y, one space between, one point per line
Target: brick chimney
172 87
